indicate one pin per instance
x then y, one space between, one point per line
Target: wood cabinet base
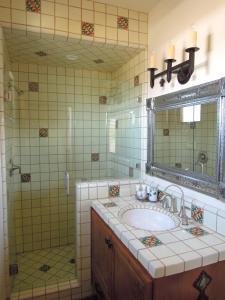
117 274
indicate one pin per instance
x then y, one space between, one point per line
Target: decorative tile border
150 241
102 100
33 87
26 177
43 132
136 80
87 29
122 23
33 6
114 190
197 213
94 156
109 204
196 231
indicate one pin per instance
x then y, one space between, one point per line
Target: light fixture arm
183 70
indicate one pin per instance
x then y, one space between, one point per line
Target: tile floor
45 267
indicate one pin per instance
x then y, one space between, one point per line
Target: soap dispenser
141 191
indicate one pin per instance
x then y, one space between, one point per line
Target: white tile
126 237
145 256
191 260
173 265
134 246
102 192
166 238
156 269
209 219
221 249
161 251
209 256
195 243
221 225
182 235
84 194
118 229
179 247
210 239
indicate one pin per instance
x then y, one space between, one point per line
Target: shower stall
65 121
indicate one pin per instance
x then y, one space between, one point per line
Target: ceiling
141 5
22 48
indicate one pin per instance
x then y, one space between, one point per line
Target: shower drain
44 268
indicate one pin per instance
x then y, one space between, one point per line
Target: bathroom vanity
124 268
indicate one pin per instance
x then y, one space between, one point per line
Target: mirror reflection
186 138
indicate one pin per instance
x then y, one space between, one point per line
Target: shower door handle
67 183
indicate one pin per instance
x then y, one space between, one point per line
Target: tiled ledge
168 252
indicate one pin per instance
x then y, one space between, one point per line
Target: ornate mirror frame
206 93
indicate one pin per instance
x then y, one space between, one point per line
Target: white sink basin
148 218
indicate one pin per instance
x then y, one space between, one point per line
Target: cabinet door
131 280
102 256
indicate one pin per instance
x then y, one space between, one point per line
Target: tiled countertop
163 253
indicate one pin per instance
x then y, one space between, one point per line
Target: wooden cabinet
116 273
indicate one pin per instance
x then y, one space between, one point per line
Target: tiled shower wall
62 128
127 118
77 19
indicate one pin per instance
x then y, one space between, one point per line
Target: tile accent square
110 204
150 241
197 213
33 6
102 100
94 156
87 29
166 132
160 195
43 132
33 87
26 177
196 231
114 191
45 268
136 80
123 23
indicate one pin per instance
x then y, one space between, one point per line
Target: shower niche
186 137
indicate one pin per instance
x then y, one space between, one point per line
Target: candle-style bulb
194 38
152 61
171 52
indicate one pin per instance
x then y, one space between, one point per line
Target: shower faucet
14 168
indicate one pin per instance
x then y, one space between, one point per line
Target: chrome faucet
182 214
14 168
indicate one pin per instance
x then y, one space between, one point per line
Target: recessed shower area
72 112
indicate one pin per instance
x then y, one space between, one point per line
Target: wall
76 19
62 125
128 110
172 21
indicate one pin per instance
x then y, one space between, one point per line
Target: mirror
186 137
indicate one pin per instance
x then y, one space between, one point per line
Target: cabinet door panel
131 281
102 255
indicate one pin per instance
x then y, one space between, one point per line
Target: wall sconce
183 70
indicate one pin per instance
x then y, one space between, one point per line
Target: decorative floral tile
123 23
160 195
114 191
196 231
197 213
136 80
33 6
26 177
110 204
150 241
166 132
102 100
33 86
43 132
87 29
94 156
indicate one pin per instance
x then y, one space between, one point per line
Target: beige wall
172 21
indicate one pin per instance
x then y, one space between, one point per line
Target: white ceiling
22 48
140 5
